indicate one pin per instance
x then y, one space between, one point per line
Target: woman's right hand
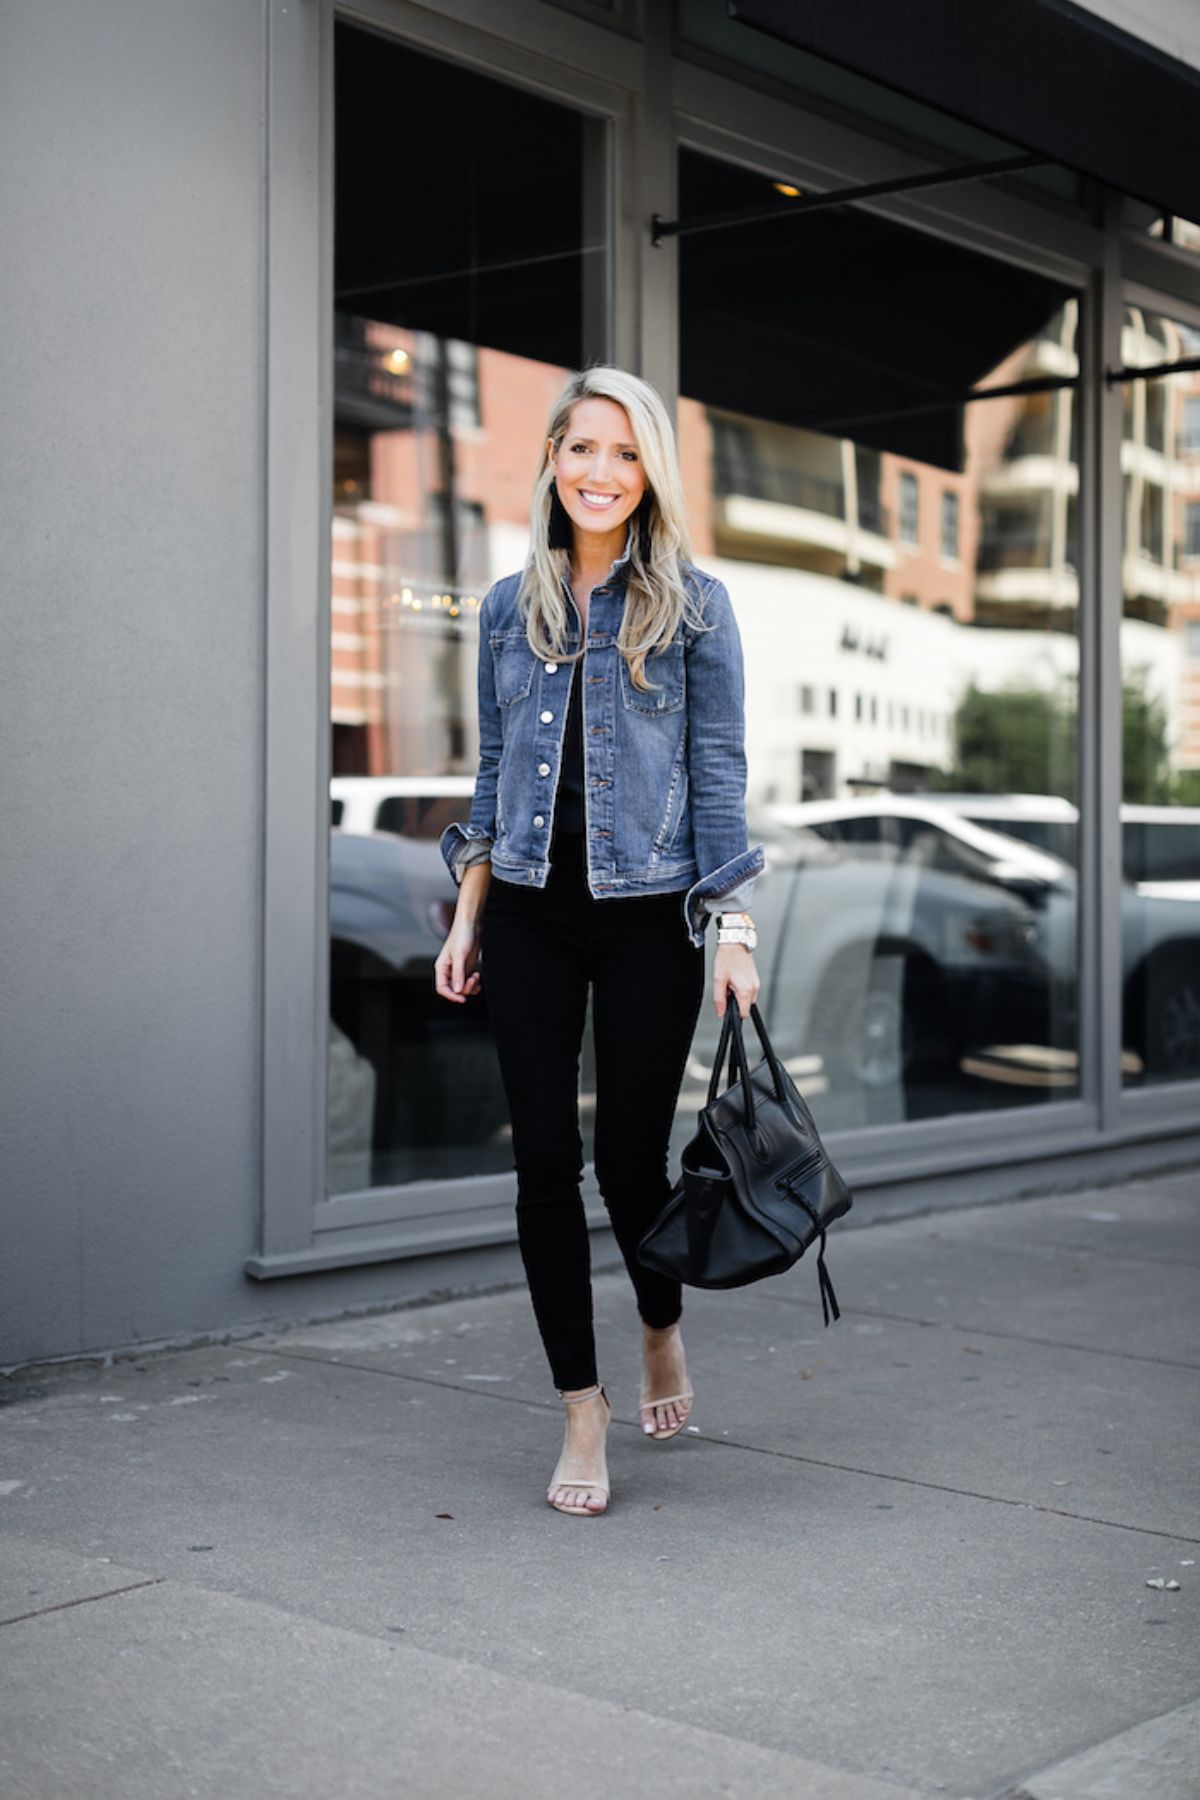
456 972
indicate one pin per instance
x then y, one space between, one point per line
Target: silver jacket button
546 717
538 819
552 668
543 768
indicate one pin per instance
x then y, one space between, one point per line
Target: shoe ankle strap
572 1399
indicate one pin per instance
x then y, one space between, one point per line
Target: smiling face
598 473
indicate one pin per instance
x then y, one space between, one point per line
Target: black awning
1042 73
843 323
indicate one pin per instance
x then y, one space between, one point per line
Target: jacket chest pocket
512 664
666 671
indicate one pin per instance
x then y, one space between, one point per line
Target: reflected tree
1020 740
1146 768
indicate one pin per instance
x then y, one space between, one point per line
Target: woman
608 821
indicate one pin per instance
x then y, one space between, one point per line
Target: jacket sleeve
462 844
716 734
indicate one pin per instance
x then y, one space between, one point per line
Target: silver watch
736 928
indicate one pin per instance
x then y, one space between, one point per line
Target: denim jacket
664 771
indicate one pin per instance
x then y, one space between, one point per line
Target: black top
569 811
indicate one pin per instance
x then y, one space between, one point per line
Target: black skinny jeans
539 948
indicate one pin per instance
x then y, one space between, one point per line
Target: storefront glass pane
1160 711
902 560
459 308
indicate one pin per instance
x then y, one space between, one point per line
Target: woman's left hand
734 971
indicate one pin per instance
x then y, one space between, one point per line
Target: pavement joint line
1008 1337
870 1185
1017 1246
1017 1789
942 1487
725 1443
40 1612
1130 1256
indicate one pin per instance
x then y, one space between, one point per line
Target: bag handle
731 1037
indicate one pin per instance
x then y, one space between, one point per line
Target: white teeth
598 499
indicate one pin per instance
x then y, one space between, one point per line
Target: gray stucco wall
131 457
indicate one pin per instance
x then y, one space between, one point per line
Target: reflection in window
1168 228
922 932
455 324
1160 708
950 526
1189 436
910 522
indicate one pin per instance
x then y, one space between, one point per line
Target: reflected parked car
1160 914
886 961
437 1082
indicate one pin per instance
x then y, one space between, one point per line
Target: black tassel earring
644 535
559 532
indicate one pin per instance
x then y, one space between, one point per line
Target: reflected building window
1169 228
910 521
1189 436
950 527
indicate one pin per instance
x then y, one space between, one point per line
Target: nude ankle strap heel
597 1485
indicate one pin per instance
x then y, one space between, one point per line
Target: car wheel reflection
1165 1002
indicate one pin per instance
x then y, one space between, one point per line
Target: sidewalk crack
84 1600
992 1331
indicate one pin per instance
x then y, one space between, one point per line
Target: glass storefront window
459 308
902 559
1160 711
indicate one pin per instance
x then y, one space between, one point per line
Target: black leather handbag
756 1186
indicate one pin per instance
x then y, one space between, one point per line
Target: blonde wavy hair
657 597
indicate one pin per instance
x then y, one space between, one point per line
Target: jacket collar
618 568
626 553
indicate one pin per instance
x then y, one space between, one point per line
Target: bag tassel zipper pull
828 1297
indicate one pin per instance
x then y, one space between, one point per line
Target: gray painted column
131 701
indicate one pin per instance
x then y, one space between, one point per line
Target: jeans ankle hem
569 1387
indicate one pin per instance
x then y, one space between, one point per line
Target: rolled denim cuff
462 845
718 891
738 901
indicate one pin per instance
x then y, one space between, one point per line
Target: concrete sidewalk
907 1555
